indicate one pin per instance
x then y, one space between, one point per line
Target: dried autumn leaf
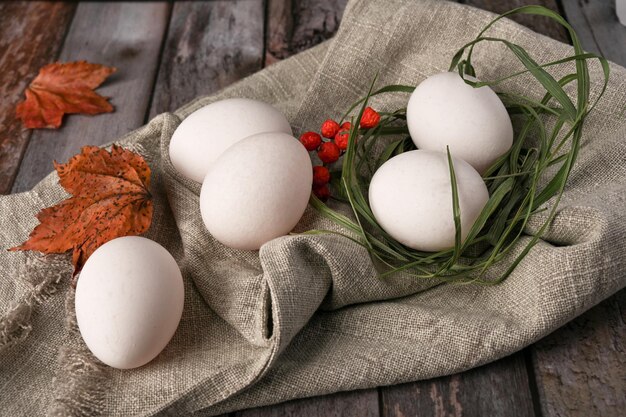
110 198
62 88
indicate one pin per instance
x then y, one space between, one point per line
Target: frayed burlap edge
42 274
81 381
80 384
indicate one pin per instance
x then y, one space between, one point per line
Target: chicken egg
129 300
411 198
257 190
206 133
445 111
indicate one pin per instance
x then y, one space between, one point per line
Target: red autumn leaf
110 198
63 88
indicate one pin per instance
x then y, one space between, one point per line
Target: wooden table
169 53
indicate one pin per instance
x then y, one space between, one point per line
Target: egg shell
129 301
257 190
206 133
445 111
411 198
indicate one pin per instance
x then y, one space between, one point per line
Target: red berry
310 140
321 191
370 118
328 152
321 175
346 126
330 128
341 139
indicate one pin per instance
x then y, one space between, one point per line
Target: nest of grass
520 183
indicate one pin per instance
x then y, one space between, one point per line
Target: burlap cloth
306 315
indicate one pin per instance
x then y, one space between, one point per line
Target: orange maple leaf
110 198
64 88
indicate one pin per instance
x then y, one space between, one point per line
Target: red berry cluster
330 145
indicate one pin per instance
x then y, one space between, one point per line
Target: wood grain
209 46
502 388
598 28
497 389
295 25
124 35
581 368
31 34
362 403
539 24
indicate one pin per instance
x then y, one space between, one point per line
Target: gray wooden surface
32 36
598 28
209 45
497 389
167 54
127 36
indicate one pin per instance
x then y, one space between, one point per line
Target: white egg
257 190
411 198
206 133
445 111
129 300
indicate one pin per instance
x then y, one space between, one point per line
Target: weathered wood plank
539 24
209 45
497 389
31 35
125 35
295 25
362 403
598 28
480 398
501 388
581 368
